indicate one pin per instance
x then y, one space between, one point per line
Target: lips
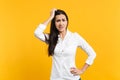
61 27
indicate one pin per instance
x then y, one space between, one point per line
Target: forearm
47 21
52 14
40 29
76 71
85 66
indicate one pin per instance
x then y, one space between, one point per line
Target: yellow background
24 57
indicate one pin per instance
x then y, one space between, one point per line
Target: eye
63 20
58 20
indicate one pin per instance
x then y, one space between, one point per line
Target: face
61 22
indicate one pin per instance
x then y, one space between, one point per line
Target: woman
62 47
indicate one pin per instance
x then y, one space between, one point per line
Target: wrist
83 70
85 67
50 18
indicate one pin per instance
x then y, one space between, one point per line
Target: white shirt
64 53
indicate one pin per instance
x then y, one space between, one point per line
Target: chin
60 30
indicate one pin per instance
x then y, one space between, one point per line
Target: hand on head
52 13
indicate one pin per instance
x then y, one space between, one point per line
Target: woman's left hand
76 71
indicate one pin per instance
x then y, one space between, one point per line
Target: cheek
57 25
65 22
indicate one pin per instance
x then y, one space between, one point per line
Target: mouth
61 27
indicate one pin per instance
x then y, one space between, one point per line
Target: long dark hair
53 36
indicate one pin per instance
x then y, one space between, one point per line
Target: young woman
62 47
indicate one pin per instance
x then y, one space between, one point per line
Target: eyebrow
60 19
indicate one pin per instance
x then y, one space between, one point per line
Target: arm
50 18
90 52
76 71
40 29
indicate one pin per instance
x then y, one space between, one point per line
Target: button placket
61 46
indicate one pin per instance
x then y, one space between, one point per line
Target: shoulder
72 33
76 35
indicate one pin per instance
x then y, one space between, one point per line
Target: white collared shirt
64 53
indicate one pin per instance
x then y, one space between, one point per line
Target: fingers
54 9
74 71
52 14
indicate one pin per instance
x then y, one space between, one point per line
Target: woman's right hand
52 13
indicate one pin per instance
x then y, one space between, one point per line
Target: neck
63 33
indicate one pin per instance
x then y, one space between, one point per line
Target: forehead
61 16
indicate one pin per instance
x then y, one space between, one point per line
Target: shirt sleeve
39 32
87 48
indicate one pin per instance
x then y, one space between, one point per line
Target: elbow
95 55
35 33
91 59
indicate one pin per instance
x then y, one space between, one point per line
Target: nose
61 22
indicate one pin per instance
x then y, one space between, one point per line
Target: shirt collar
66 36
67 33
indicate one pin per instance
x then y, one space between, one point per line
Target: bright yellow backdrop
24 57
